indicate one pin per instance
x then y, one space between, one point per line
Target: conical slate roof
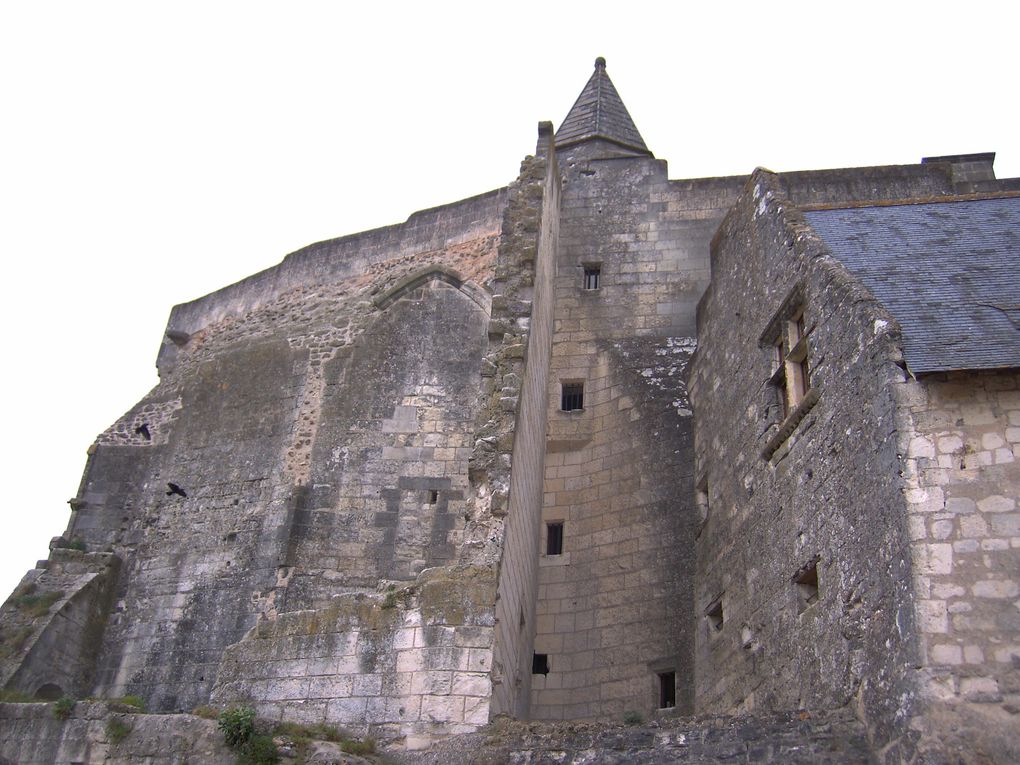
599 113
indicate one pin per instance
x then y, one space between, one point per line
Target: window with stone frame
790 374
789 393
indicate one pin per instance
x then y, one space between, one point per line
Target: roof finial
600 63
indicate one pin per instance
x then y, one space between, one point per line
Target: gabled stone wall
804 579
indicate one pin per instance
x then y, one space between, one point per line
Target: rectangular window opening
433 496
591 277
667 690
554 538
573 397
540 664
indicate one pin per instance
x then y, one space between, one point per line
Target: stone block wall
804 580
962 483
613 609
308 439
405 665
522 317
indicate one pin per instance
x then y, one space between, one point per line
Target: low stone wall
30 734
406 667
813 738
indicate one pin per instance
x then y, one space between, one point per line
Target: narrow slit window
806 581
667 690
433 496
714 614
540 664
554 538
591 277
573 397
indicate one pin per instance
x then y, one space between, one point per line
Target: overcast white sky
153 152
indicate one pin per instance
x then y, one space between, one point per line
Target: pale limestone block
996 588
950 444
932 616
973 526
476 710
349 665
479 660
403 638
948 461
410 661
960 607
432 682
994 544
325 666
978 460
1006 525
960 505
916 527
966 546
471 684
934 559
996 503
991 441
946 590
417 742
920 447
278 690
1007 654
1004 456
946 653
972 654
1013 435
367 685
442 709
347 711
942 529
1014 417
980 689
335 687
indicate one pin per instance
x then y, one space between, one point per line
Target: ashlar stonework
598 446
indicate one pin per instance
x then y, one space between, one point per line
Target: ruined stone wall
962 480
804 584
614 607
522 315
306 440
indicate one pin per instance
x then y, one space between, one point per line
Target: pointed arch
428 274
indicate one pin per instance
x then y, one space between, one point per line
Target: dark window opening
554 538
714 614
667 690
49 692
591 277
573 397
433 496
540 664
806 580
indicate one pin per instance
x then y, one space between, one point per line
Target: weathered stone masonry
596 446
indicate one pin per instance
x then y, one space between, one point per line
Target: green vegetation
206 712
62 708
238 726
117 730
302 734
33 605
12 641
633 718
137 703
17 697
72 544
390 601
364 746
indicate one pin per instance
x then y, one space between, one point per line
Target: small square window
540 664
573 397
433 496
554 538
591 277
806 580
667 690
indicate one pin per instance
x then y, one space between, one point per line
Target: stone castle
596 444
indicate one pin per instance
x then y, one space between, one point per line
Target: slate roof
949 272
599 113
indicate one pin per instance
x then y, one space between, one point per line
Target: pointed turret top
599 113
